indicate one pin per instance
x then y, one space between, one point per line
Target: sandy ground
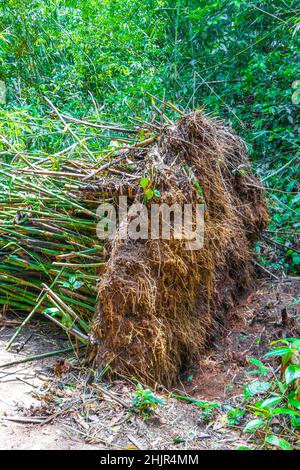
17 386
69 413
32 391
108 425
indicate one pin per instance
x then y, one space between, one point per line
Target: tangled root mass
158 302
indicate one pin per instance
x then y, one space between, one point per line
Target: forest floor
49 404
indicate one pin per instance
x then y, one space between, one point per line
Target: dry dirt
18 385
69 413
265 315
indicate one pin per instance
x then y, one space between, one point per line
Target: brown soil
265 315
87 418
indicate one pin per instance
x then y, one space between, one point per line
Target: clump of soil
159 301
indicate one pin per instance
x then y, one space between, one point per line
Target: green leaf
270 402
51 311
262 369
144 182
292 372
285 411
278 352
149 194
295 421
293 401
254 424
234 415
178 440
256 362
257 387
278 442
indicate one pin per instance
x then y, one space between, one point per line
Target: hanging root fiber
159 302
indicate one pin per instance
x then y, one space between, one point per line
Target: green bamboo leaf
149 194
277 352
144 182
278 442
254 424
293 401
285 411
270 402
262 368
292 373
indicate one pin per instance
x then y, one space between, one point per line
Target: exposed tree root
159 302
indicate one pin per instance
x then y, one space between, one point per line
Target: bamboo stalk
28 318
38 357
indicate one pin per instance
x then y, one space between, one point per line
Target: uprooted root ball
159 302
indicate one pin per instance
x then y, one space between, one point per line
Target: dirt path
107 425
93 421
18 385
87 418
